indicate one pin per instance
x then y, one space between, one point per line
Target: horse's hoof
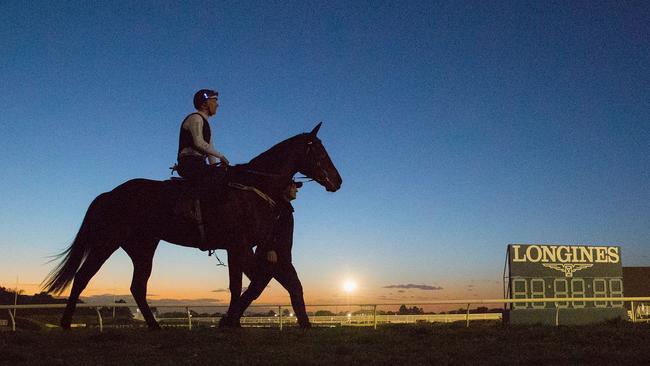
228 322
65 325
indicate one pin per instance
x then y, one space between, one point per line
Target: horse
139 213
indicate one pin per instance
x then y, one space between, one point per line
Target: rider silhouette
195 142
283 229
274 261
195 145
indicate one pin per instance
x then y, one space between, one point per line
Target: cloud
228 290
406 299
200 301
416 287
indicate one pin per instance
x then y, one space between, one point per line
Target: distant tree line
7 297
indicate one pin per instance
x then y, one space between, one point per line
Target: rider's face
213 105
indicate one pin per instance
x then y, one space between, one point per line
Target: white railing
339 320
371 319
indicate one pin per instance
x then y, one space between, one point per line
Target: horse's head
316 163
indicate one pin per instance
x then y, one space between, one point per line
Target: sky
457 127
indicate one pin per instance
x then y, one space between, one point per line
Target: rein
264 196
257 172
303 179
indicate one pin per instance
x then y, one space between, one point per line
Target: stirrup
211 252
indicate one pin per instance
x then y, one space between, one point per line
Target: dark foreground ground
422 344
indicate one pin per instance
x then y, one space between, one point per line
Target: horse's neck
270 181
280 160
272 170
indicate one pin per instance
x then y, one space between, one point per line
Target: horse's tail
74 256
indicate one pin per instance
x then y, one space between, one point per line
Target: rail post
557 316
13 320
189 318
374 316
633 312
467 316
99 318
280 315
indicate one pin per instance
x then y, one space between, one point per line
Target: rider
195 140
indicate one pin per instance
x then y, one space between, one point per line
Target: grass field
422 344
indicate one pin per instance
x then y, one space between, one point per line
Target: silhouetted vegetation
404 310
7 297
324 313
478 310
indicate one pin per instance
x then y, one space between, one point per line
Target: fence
338 320
370 320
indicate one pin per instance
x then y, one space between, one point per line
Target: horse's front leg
288 278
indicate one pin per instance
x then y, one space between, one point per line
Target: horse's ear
315 130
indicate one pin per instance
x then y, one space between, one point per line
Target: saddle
195 193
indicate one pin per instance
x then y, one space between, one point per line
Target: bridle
302 179
318 165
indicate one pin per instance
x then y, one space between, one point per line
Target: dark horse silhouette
139 213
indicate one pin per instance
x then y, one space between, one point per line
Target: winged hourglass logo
568 268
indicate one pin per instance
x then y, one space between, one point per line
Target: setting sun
349 286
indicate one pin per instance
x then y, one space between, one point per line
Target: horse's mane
278 152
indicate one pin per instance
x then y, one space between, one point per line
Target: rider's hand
272 256
224 161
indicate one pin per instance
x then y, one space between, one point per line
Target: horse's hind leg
96 257
141 253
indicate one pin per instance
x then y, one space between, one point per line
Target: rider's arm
195 126
212 159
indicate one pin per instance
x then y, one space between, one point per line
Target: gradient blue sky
458 127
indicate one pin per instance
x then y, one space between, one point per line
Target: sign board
564 271
637 282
